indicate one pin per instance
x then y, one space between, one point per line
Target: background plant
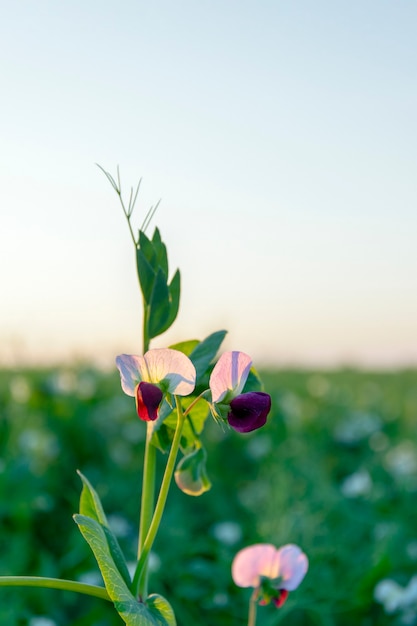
289 481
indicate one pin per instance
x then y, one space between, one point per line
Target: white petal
173 367
131 370
229 374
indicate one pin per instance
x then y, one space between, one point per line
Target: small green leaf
205 352
161 608
194 421
193 424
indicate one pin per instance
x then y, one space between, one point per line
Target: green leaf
156 613
190 431
205 352
157 605
146 275
160 252
162 438
174 289
186 347
173 301
194 421
147 248
90 506
159 306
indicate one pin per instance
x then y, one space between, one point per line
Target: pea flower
154 374
272 572
244 411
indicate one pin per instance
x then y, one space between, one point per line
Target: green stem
148 499
203 394
146 339
253 603
54 583
149 470
138 584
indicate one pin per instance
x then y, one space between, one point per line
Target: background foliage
334 470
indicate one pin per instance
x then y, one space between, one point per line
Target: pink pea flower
272 572
154 374
244 411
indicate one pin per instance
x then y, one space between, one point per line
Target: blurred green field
334 470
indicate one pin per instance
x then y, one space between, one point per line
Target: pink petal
164 364
251 563
172 367
292 565
229 374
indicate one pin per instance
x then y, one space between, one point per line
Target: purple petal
293 565
148 399
249 411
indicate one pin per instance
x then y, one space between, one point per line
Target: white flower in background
356 485
394 597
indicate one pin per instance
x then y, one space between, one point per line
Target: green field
334 470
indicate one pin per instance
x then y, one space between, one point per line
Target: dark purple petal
148 399
249 411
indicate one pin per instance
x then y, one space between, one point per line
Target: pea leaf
90 506
159 306
204 353
156 612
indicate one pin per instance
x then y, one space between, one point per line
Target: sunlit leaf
186 347
90 506
155 613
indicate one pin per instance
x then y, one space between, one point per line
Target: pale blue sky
282 138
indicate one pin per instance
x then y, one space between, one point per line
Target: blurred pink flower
274 572
245 411
149 377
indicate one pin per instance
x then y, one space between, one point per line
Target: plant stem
140 573
54 583
147 501
252 608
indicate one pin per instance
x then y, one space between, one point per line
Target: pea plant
175 390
